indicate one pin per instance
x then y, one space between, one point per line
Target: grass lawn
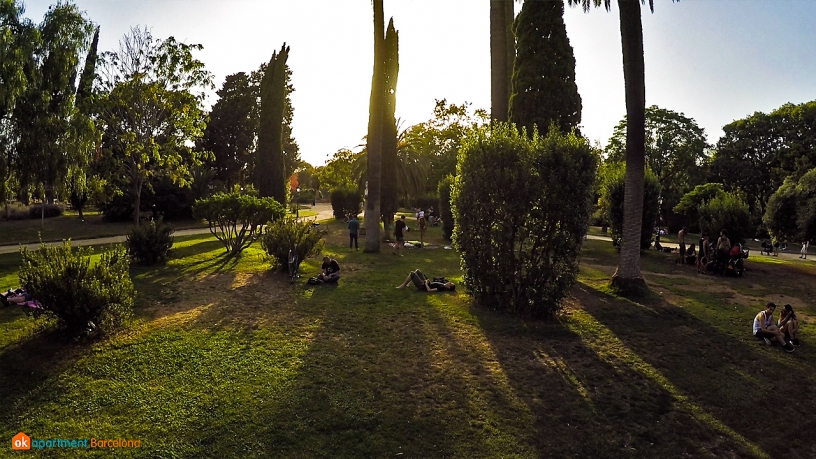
227 359
70 226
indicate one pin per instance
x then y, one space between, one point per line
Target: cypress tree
544 89
388 202
269 170
86 80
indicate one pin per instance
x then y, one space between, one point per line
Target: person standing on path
422 227
399 229
681 241
353 227
803 252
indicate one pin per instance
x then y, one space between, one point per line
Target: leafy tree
781 212
374 146
502 53
389 188
269 172
236 219
727 212
519 231
613 191
44 111
691 202
437 141
543 83
675 149
338 171
18 38
152 109
757 153
791 210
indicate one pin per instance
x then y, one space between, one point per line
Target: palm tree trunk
501 57
628 277
375 134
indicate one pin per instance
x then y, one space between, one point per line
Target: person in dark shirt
353 227
331 271
424 285
399 230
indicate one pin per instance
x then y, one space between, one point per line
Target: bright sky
714 60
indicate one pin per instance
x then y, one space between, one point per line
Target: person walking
353 227
803 252
423 225
399 229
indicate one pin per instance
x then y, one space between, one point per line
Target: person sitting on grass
331 271
789 325
765 329
423 284
16 297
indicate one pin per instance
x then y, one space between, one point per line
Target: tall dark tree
389 184
83 133
543 83
627 277
269 170
502 53
374 143
230 133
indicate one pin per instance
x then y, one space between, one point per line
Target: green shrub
15 211
236 219
345 201
150 242
282 235
727 212
781 212
521 206
50 210
612 193
306 196
86 298
444 189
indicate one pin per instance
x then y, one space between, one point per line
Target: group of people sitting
784 332
710 255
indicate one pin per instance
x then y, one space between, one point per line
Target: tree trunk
375 134
137 202
501 61
627 277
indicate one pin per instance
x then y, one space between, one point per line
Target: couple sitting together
786 330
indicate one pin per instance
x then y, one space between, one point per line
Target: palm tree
375 134
502 53
627 277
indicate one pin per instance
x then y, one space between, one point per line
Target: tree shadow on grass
647 381
29 370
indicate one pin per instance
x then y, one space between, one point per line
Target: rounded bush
150 242
86 298
285 234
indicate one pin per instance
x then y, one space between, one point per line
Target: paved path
324 212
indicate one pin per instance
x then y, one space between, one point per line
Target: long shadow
676 374
29 370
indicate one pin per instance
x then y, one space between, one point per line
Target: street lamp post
297 204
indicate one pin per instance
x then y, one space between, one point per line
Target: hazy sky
714 60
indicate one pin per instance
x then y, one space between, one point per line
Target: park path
324 212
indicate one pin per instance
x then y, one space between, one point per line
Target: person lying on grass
423 284
789 325
765 329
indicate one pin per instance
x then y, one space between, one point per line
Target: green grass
70 226
227 359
